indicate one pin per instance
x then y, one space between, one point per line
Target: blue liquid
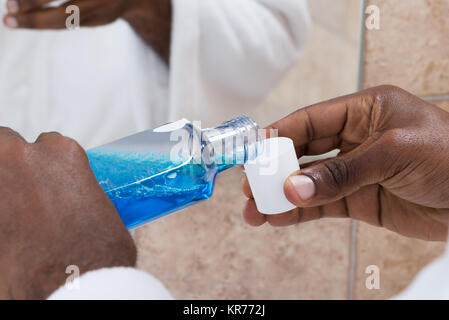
144 186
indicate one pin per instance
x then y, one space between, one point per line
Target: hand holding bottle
53 214
392 171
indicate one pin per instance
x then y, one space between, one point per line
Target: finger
285 219
7 134
323 127
336 178
48 137
319 146
246 188
55 17
252 216
48 18
337 209
100 19
15 6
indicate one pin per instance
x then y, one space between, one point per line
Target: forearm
152 20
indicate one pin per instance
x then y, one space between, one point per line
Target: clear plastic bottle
157 172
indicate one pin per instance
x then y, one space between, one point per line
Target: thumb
336 178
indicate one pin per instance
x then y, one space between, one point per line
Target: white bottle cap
266 174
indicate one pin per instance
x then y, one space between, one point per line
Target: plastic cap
267 174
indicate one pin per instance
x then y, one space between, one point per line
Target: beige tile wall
399 260
208 252
329 66
410 50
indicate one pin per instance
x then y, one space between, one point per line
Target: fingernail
12 6
304 186
11 22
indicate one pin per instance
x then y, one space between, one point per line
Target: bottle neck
233 142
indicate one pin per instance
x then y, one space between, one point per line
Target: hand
150 18
53 214
392 171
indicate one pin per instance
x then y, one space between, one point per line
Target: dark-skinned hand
392 171
53 215
151 19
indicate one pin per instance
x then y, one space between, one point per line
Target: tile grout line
354 224
436 98
353 234
352 259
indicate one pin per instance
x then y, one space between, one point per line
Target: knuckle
14 144
73 149
387 94
68 147
396 139
273 221
406 143
69 144
338 173
26 5
25 20
388 88
46 135
388 91
14 148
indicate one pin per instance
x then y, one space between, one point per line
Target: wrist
151 19
41 272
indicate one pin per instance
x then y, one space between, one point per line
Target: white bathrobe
128 283
97 85
432 283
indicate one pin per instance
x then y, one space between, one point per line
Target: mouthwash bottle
160 171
